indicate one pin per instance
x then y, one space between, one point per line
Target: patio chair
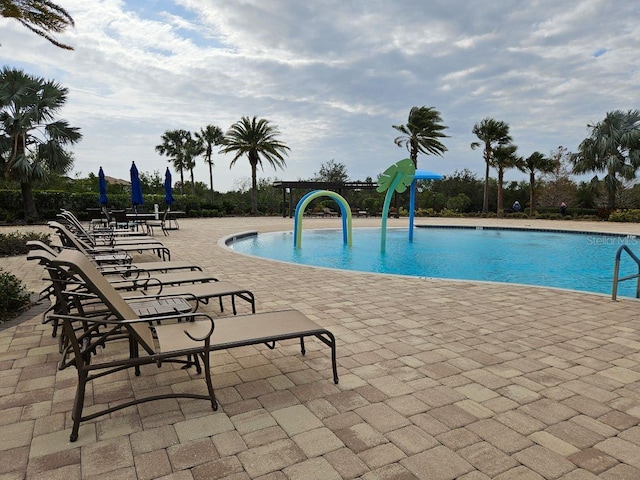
189 342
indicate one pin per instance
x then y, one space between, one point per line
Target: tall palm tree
504 157
536 162
190 150
39 16
257 139
172 147
422 132
208 137
491 133
32 142
613 148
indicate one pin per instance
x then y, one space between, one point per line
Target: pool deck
439 379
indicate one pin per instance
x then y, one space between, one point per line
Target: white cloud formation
333 75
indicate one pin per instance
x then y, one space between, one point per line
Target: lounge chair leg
302 349
76 413
221 304
207 377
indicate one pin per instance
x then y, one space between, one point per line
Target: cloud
333 76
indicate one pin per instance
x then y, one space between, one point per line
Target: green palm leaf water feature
396 178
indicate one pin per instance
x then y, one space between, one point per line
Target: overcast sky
333 76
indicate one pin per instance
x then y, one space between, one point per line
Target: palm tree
536 162
491 133
31 141
172 147
613 147
504 157
209 136
190 150
422 132
39 16
258 140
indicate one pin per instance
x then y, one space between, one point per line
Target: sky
333 76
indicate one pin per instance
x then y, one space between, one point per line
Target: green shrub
625 216
14 296
15 243
451 213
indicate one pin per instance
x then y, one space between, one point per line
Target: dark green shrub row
14 297
15 243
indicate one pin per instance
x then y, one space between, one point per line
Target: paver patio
438 380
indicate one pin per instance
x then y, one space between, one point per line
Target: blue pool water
577 261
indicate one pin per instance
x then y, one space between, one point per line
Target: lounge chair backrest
100 286
38 245
68 239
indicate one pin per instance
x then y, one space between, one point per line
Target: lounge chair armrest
145 320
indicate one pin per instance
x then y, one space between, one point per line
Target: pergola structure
289 187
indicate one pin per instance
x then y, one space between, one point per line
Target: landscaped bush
15 243
14 297
625 216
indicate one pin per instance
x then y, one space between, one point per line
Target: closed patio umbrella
168 195
136 187
102 184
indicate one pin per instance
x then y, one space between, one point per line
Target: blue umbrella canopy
102 184
136 188
168 195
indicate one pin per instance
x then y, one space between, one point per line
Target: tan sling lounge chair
70 240
188 342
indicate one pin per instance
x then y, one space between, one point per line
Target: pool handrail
616 272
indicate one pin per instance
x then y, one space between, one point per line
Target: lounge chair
160 223
195 285
329 213
70 240
159 266
188 342
74 224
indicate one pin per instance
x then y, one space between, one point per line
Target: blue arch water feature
345 210
420 175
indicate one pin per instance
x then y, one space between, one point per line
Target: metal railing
616 272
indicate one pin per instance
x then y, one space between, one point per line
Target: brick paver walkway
438 380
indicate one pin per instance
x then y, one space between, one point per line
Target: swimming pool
576 261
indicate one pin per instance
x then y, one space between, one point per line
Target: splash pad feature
345 210
397 178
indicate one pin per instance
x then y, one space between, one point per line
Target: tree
209 136
332 172
504 156
536 162
39 16
191 148
422 132
491 133
32 143
557 184
172 146
257 139
613 148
